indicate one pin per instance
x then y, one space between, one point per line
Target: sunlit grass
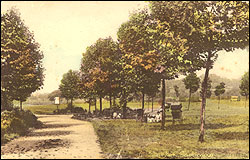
227 135
212 105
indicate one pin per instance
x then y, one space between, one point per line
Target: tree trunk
21 105
142 113
148 102
203 102
110 101
163 104
71 104
95 105
100 105
124 109
123 103
189 99
89 104
152 104
114 101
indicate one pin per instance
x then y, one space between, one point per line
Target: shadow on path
32 145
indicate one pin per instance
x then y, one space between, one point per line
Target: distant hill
232 86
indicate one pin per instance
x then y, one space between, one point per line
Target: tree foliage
219 90
100 69
208 27
139 57
192 82
177 92
21 58
244 85
69 85
55 93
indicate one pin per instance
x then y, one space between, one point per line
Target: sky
64 29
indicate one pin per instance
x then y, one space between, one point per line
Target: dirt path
60 138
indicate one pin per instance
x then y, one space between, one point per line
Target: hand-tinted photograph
124 80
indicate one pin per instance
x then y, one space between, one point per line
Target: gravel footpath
60 138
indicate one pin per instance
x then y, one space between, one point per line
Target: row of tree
173 38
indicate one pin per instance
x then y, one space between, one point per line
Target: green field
227 132
194 109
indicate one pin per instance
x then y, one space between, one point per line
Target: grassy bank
227 135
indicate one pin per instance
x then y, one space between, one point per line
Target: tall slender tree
219 90
21 58
139 57
177 93
100 64
69 86
244 86
192 82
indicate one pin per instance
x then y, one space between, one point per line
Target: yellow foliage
148 66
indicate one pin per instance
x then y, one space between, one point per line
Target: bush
75 109
78 110
16 123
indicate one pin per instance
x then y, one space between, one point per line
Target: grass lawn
227 134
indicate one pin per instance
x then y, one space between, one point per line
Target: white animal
151 118
158 117
114 115
119 116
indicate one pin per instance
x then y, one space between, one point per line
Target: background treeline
232 89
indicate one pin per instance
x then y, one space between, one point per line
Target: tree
147 36
176 89
192 82
139 57
55 93
219 90
100 65
21 58
244 86
86 90
208 27
69 86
